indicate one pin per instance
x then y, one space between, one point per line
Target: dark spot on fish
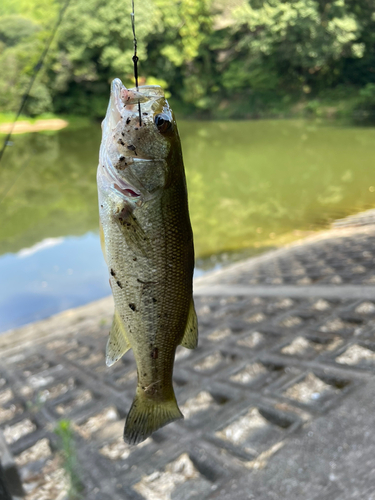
134 258
121 158
145 114
154 300
135 128
155 353
131 147
101 206
123 134
145 374
132 307
119 284
113 273
120 141
128 121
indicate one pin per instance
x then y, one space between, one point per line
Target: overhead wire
37 68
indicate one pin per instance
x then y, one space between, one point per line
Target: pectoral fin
190 338
118 343
134 234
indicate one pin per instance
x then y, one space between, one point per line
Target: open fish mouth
117 150
132 96
123 99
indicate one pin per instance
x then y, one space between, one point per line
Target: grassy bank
73 120
345 104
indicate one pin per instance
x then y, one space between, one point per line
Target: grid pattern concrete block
265 369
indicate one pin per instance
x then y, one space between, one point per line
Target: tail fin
146 416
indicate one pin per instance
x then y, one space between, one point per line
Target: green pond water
252 185
249 182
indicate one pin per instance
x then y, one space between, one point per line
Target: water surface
252 185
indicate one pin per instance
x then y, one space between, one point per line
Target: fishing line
37 68
135 59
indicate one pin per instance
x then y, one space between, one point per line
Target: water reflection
52 276
55 193
252 182
252 185
249 182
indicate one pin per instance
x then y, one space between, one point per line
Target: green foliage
21 42
365 106
70 460
233 58
13 29
95 44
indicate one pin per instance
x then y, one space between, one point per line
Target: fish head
140 140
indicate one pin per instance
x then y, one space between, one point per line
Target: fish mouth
126 98
125 104
123 101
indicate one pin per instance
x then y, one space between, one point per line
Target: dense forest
215 58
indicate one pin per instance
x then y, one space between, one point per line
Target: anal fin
190 338
118 343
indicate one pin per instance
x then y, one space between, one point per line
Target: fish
147 242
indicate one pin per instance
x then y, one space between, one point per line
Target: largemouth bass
148 246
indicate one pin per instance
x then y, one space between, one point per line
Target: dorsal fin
190 338
118 343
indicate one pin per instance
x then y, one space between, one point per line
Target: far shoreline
40 125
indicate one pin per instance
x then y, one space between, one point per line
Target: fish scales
148 246
154 278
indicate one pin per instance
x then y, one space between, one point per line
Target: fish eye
163 123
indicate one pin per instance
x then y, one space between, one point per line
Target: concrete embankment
279 397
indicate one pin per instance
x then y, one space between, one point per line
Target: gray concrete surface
278 397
